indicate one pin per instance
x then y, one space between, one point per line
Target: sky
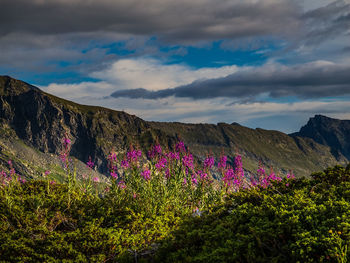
271 64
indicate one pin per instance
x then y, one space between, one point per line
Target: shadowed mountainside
40 121
330 132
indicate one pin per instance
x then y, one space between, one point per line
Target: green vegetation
292 221
169 209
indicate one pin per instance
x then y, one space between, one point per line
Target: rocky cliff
330 132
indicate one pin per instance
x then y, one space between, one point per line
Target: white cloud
152 74
145 73
80 91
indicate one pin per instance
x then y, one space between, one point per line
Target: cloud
180 20
61 37
45 53
79 91
152 74
310 80
131 74
327 22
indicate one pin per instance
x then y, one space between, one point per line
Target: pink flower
47 172
122 185
133 156
90 164
3 174
66 141
161 163
146 174
112 156
238 166
66 149
155 151
63 157
253 181
290 175
228 177
194 179
96 179
167 174
202 175
222 162
209 162
180 147
114 175
124 164
187 160
173 155
22 180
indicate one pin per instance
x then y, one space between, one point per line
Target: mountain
41 120
34 122
330 132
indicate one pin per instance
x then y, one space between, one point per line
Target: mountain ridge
41 120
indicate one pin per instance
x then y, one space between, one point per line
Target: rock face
41 120
330 132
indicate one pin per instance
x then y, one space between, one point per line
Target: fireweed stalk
67 163
170 180
88 181
160 180
9 181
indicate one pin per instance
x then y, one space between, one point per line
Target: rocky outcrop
330 132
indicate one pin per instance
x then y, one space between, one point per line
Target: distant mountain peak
319 117
328 131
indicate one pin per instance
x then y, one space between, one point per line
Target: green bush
160 219
37 226
292 221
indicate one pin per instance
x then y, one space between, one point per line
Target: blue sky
261 63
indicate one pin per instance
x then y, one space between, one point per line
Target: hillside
40 120
330 132
273 148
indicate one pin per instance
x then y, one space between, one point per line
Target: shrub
306 221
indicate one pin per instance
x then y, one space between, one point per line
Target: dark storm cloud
180 20
327 22
312 80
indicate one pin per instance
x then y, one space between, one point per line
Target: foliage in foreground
37 226
295 221
169 209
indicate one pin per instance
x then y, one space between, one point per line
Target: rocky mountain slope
330 132
39 121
